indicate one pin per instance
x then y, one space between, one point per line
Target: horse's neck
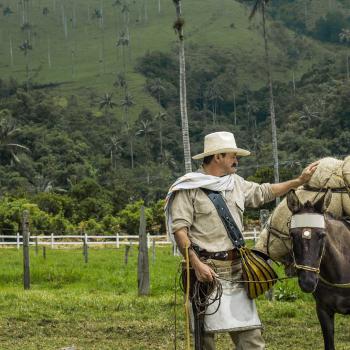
336 260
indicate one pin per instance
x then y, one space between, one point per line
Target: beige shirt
194 210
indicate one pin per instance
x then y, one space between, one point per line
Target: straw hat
220 142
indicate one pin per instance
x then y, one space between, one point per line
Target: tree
115 146
308 115
121 82
156 88
262 5
25 47
146 130
178 26
8 133
127 103
344 36
123 41
106 102
130 133
214 95
160 117
7 11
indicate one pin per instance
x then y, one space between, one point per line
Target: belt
225 255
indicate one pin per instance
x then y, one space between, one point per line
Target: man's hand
283 187
204 273
307 173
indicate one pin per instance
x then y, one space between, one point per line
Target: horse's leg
327 324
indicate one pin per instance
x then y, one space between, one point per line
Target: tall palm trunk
11 52
272 104
183 100
235 108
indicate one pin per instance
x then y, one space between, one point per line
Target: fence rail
116 240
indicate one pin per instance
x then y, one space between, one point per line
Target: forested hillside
89 106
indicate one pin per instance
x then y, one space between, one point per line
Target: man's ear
322 204
293 202
217 157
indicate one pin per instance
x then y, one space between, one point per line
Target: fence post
143 266
36 246
85 248
117 240
18 242
26 261
52 240
44 252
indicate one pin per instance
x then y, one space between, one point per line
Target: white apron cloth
236 311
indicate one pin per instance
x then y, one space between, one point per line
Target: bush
130 217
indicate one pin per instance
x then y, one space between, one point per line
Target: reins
335 285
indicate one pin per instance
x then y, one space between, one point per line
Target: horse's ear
293 202
323 203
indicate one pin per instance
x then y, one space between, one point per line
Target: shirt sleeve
181 211
256 194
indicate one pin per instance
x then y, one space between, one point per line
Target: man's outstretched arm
283 187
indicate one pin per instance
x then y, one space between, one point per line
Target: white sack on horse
329 174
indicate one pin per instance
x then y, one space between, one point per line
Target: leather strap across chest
231 227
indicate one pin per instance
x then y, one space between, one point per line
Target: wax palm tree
107 103
121 82
178 26
127 102
25 47
114 147
308 115
214 96
130 133
123 42
344 36
156 88
146 129
160 117
8 133
261 4
169 160
96 14
117 3
7 11
126 14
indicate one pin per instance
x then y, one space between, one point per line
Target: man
195 223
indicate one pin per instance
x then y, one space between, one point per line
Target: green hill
75 41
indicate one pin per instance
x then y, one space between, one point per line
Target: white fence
116 240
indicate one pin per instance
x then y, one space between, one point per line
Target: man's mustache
234 165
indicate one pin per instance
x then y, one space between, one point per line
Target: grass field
95 306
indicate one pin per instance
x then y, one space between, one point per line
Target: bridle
307 222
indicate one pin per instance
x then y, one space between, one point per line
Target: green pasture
95 305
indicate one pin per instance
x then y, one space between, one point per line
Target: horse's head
308 235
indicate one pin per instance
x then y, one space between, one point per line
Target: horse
321 255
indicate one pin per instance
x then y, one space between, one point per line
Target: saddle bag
258 275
